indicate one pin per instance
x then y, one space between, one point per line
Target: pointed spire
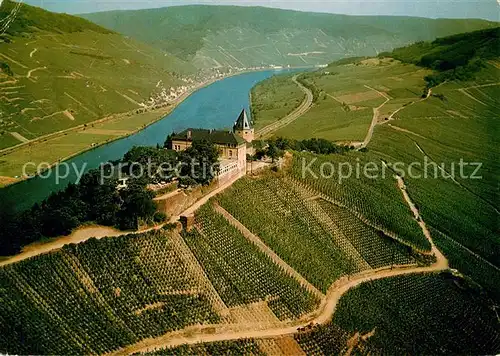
243 123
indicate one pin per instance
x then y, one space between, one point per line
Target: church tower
244 128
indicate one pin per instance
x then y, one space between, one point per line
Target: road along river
215 106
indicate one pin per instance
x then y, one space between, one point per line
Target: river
215 106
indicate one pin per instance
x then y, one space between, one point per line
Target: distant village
165 95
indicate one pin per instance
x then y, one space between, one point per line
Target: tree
156 164
101 197
274 152
200 163
168 141
137 203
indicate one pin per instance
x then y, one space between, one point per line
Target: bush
5 68
159 217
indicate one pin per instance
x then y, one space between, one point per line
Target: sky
486 9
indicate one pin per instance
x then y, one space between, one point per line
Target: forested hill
454 57
59 71
249 36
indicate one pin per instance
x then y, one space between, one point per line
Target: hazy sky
487 9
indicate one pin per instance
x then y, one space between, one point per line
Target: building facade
232 145
244 128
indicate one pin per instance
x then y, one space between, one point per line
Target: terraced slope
443 140
313 240
59 72
242 274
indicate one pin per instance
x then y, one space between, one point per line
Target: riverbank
215 106
77 140
65 145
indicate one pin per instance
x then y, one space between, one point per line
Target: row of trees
307 80
96 198
276 147
92 200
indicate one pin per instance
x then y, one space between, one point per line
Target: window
230 153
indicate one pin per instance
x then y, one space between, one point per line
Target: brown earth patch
7 180
358 97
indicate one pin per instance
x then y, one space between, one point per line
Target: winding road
224 332
99 232
301 110
322 315
329 302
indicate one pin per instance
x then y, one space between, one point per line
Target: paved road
301 110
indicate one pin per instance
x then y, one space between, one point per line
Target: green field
457 122
376 199
240 272
458 127
315 238
59 147
289 229
347 95
273 99
316 255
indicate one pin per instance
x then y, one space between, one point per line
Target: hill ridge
239 36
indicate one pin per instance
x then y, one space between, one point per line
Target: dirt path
83 234
397 128
207 197
18 136
464 91
33 52
80 103
13 61
323 315
168 195
31 71
391 117
128 98
221 332
199 273
441 262
301 110
376 115
481 86
268 251
78 236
